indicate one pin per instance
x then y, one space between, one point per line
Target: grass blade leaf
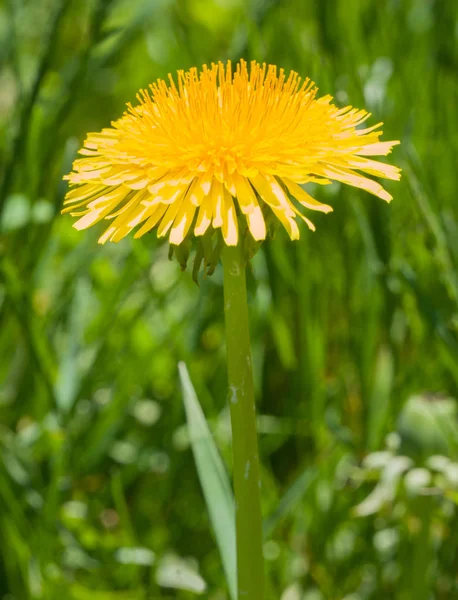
213 479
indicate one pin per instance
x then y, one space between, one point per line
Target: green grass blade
213 479
291 499
380 399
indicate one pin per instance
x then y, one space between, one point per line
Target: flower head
221 148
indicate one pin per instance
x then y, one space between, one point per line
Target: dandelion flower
222 149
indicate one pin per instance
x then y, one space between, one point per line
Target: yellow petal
229 182
305 199
377 168
106 235
120 233
245 194
288 222
196 192
204 218
205 183
81 192
358 181
100 208
169 218
90 218
88 175
139 183
272 193
158 173
256 224
167 193
230 227
182 223
309 223
135 198
377 149
155 217
217 203
120 174
131 215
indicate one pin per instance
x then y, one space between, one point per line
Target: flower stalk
247 485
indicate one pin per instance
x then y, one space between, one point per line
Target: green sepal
198 258
216 254
182 252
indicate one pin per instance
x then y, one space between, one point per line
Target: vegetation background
354 327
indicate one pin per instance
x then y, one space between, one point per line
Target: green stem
250 562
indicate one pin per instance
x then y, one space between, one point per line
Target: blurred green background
354 327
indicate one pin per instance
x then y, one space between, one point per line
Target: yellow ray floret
218 148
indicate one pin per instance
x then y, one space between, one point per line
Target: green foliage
354 327
214 480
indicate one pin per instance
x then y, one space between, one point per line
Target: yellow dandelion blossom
218 148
